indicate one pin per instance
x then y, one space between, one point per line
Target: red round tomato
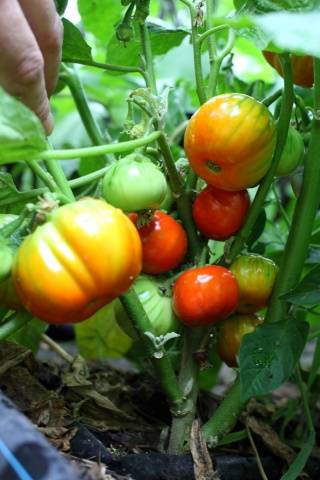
164 243
302 67
230 141
219 214
256 276
231 332
86 255
205 295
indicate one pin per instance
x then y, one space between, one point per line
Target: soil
112 422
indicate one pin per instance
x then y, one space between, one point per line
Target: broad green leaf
269 355
292 31
308 290
21 133
30 334
100 336
249 65
265 6
100 17
74 45
162 40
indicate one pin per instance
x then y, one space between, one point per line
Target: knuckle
29 69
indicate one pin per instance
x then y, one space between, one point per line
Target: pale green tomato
292 153
134 183
156 304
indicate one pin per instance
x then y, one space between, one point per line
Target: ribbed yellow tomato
230 141
87 254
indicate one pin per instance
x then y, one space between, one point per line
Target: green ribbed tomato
156 304
292 153
255 276
134 183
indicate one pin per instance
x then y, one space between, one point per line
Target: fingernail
48 124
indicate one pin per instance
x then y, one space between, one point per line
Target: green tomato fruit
134 183
292 153
156 304
6 261
167 202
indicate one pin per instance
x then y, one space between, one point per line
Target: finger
21 62
47 28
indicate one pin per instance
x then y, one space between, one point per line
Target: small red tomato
164 243
219 214
231 332
205 295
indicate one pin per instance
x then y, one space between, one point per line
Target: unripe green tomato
134 183
255 276
231 332
156 304
124 32
296 181
168 200
292 153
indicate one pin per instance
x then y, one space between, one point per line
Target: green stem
188 382
209 24
226 415
272 98
107 66
282 132
304 396
296 250
163 365
147 53
100 149
182 197
59 177
90 177
214 72
43 175
13 324
282 210
73 81
200 85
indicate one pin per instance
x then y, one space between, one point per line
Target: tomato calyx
142 218
213 167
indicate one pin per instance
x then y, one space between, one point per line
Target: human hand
31 36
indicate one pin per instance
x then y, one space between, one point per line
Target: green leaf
30 334
265 6
308 290
257 229
100 336
99 17
269 355
21 133
286 29
74 45
301 459
162 40
61 5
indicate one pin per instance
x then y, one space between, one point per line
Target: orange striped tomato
230 141
86 255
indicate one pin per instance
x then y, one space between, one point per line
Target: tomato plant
302 67
223 145
292 153
59 279
134 183
230 336
219 214
205 295
256 276
164 243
